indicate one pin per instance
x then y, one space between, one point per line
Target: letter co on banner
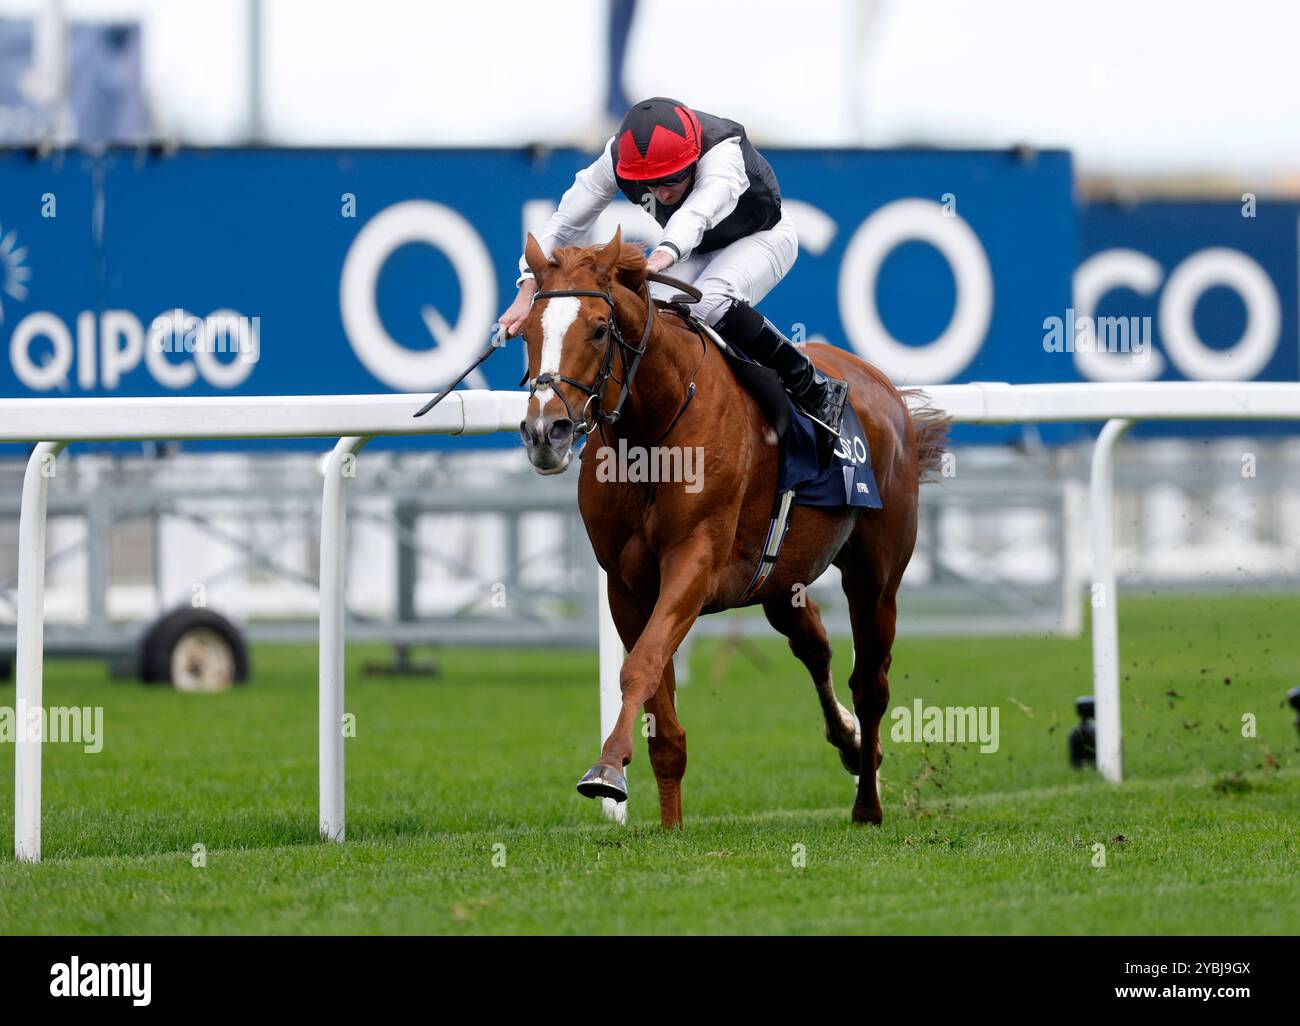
1216 279
1177 296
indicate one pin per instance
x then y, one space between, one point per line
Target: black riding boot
822 398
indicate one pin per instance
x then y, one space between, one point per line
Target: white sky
1163 85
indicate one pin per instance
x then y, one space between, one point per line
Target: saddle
812 470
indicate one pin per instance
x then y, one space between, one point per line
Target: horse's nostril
526 433
560 431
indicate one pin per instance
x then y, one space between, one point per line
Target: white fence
54 423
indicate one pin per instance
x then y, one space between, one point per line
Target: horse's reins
631 359
631 362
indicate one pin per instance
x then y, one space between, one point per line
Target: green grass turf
1202 838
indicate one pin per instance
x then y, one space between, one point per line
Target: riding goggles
671 180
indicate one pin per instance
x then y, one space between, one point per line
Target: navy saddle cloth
842 477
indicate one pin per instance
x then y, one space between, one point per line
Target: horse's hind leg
874 614
802 626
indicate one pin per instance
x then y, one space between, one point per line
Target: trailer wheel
194 650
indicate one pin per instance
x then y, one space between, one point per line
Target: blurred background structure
1109 158
1197 88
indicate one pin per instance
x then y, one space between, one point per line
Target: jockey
719 206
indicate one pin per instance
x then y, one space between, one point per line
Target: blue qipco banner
299 272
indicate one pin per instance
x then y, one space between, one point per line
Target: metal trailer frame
105 507
561 612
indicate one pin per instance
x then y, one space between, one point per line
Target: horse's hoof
603 781
867 815
850 762
852 758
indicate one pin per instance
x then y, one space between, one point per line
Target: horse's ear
631 270
535 258
609 256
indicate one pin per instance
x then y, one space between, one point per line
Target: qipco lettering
177 350
852 449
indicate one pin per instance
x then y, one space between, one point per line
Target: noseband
630 359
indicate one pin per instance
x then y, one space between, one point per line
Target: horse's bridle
631 360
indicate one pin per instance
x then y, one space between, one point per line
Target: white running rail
51 424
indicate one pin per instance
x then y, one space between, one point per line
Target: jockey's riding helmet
658 139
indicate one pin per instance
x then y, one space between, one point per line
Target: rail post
340 468
28 663
1105 600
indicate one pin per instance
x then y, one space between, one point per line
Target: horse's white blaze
558 317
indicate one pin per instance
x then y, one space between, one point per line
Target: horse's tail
931 425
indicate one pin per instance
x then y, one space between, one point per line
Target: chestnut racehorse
601 357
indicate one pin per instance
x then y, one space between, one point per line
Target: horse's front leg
685 579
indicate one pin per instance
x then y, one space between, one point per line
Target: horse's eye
599 334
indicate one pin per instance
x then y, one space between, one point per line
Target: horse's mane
630 271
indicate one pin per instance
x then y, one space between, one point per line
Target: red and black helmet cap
658 139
